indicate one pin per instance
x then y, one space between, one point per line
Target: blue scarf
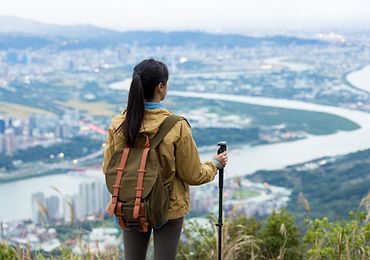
152 105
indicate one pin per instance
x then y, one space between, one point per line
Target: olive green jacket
179 157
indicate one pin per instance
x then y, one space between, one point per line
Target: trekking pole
221 149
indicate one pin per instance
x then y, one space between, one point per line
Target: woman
179 157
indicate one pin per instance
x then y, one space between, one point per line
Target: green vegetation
76 228
73 148
281 237
210 136
339 240
328 187
316 123
244 238
7 252
38 95
276 237
6 163
245 194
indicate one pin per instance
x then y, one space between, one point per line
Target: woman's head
149 83
151 73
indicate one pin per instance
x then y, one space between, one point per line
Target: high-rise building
1 143
9 141
63 130
102 197
79 207
2 126
9 123
71 117
105 195
89 195
32 124
69 208
38 207
94 198
91 199
52 205
85 200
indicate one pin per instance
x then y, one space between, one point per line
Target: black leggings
166 240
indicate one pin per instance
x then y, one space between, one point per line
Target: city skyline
212 16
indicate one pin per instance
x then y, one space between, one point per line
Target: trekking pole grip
221 149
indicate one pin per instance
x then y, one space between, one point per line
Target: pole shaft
219 224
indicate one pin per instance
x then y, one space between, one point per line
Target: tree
201 241
281 237
339 240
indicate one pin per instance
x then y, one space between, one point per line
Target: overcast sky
210 15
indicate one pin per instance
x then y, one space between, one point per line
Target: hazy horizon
211 16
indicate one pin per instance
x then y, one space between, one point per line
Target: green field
244 194
20 111
316 123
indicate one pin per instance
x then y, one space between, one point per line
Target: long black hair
146 76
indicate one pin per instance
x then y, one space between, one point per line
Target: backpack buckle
133 224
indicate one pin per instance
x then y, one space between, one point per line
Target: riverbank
7 179
360 79
246 159
52 168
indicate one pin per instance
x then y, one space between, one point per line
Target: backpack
140 199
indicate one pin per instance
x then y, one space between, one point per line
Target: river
246 159
360 78
15 197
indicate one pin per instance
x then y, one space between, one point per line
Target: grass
20 111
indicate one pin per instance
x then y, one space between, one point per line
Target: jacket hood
151 122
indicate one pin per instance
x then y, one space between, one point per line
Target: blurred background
286 83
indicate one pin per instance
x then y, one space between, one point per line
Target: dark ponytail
135 110
146 77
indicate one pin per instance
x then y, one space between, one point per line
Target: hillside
40 35
332 186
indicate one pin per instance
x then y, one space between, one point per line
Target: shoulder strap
164 128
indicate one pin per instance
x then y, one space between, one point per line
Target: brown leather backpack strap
120 215
140 183
117 184
143 222
164 128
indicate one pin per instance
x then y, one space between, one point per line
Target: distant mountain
39 35
23 41
10 24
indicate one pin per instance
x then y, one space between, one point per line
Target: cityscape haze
285 83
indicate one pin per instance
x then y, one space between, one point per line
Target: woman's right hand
222 158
